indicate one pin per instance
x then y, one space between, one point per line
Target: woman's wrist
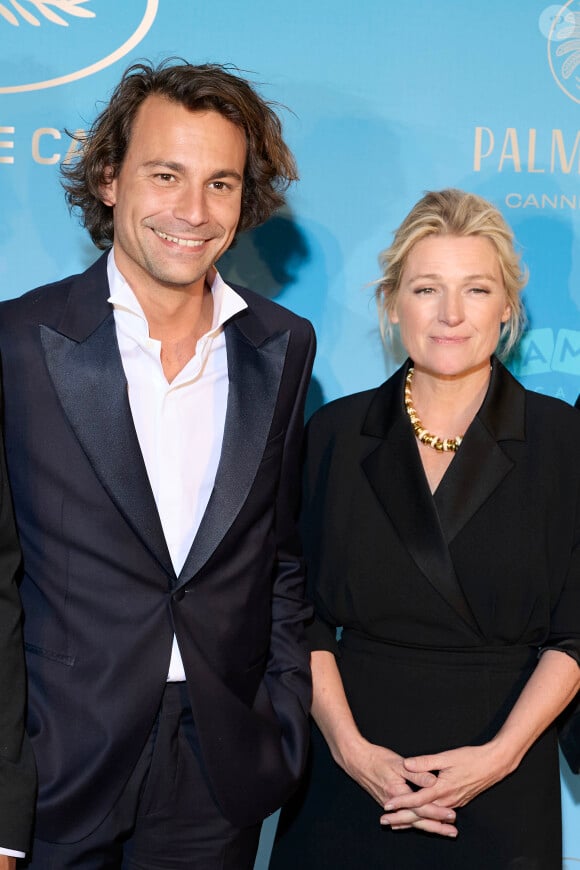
350 752
504 758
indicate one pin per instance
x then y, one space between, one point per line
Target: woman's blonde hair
454 212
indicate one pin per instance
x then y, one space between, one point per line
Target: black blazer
491 560
100 595
17 770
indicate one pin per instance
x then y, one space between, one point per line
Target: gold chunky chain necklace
441 444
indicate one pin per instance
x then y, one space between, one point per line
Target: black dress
445 602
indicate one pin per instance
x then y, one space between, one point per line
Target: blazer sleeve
564 636
17 767
287 675
321 629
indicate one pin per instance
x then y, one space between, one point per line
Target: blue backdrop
385 100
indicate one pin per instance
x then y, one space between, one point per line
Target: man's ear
108 187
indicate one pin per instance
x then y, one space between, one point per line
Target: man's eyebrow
225 173
166 164
179 167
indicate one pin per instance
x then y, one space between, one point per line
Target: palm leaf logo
563 45
44 8
569 44
572 48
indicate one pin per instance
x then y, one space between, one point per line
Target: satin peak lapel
90 382
476 471
396 475
481 464
254 375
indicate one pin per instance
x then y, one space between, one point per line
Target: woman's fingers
435 820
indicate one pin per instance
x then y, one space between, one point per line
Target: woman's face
450 304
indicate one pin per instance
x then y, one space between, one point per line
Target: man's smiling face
177 196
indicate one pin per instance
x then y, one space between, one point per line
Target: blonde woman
442 533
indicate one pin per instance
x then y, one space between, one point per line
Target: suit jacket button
179 595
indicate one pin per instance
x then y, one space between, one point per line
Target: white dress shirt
180 426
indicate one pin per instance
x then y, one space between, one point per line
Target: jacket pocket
52 656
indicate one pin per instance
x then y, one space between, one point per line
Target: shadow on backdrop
267 259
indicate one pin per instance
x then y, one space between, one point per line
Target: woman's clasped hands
462 774
383 774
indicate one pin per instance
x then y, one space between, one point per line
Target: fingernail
388 808
452 834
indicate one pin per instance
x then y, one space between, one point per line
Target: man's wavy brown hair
270 166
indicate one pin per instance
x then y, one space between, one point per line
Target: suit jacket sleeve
563 637
288 672
321 629
17 768
569 721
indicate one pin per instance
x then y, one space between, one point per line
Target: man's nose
192 206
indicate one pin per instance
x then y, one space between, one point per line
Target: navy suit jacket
17 770
100 595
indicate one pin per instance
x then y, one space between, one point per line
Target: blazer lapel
255 366
85 367
395 473
481 464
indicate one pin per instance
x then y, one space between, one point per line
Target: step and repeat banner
383 100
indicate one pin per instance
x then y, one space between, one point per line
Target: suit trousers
166 817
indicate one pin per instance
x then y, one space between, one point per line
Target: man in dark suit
154 418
